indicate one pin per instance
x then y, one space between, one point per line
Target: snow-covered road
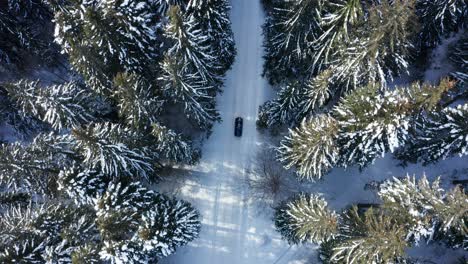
233 231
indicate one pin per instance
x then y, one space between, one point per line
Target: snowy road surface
232 231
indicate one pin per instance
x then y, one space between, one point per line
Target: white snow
236 229
233 230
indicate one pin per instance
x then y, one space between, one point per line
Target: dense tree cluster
410 212
317 51
367 123
75 189
24 33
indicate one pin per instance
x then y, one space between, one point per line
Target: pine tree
138 226
380 50
426 209
174 147
458 55
373 123
439 17
191 46
369 238
306 218
28 250
119 207
283 110
61 106
289 31
23 32
438 135
82 185
87 253
44 234
212 17
317 93
113 149
33 168
179 221
103 38
163 6
311 148
189 89
137 100
337 23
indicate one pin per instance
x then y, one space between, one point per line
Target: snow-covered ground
235 229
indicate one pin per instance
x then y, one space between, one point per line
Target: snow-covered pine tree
163 6
28 250
62 106
337 22
212 17
33 168
82 185
119 207
87 253
44 233
438 135
290 29
103 38
438 18
427 210
297 100
23 26
185 87
137 224
311 148
316 94
167 225
380 47
137 100
113 149
458 55
283 109
306 218
172 146
373 123
372 237
190 45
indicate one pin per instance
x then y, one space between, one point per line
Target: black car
238 127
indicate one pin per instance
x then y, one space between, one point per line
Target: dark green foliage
325 49
25 32
138 101
438 18
289 31
438 136
62 106
368 238
33 168
14 198
211 16
113 149
187 88
428 211
306 218
174 147
366 124
105 39
312 148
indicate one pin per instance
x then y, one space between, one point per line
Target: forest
350 89
117 141
90 134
